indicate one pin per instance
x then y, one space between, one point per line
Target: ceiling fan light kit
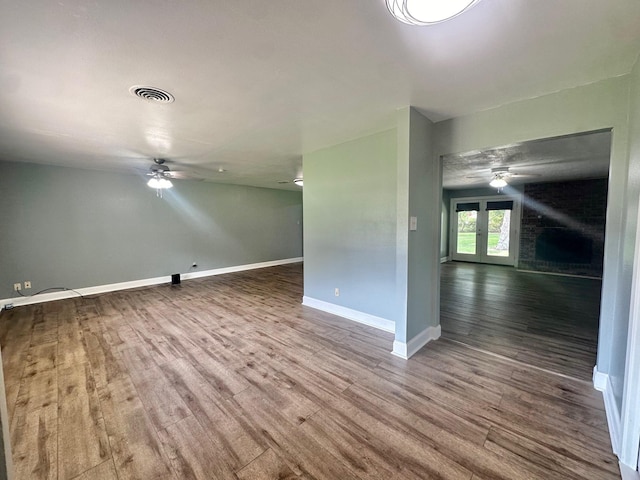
160 176
498 182
427 12
159 182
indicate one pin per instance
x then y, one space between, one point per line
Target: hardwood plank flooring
230 377
548 321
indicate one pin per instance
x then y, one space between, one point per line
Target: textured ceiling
570 157
259 83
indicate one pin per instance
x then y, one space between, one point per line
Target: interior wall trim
444 259
599 380
630 416
407 350
50 297
350 314
628 473
602 383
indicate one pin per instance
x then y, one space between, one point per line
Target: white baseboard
599 380
602 383
239 268
350 314
49 297
406 350
444 259
572 275
627 473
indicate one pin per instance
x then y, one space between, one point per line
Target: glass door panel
485 229
467 234
499 231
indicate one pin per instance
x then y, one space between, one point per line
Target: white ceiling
259 83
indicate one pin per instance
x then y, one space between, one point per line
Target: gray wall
358 199
73 228
425 195
484 192
350 225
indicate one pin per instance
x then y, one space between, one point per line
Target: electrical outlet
27 284
17 287
337 292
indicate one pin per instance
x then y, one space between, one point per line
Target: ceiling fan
161 176
499 175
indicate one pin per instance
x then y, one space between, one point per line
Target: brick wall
562 228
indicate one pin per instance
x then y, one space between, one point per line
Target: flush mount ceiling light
427 12
298 181
498 180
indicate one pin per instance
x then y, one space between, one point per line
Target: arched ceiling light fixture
427 12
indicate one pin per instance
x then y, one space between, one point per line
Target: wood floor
545 320
231 378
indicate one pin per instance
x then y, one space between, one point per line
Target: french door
485 229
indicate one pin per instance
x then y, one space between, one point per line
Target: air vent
152 94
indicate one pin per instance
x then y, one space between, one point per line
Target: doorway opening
523 262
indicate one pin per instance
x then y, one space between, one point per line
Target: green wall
350 225
74 228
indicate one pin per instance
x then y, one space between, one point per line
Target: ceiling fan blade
179 175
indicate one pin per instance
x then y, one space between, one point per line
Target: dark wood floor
231 378
548 321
